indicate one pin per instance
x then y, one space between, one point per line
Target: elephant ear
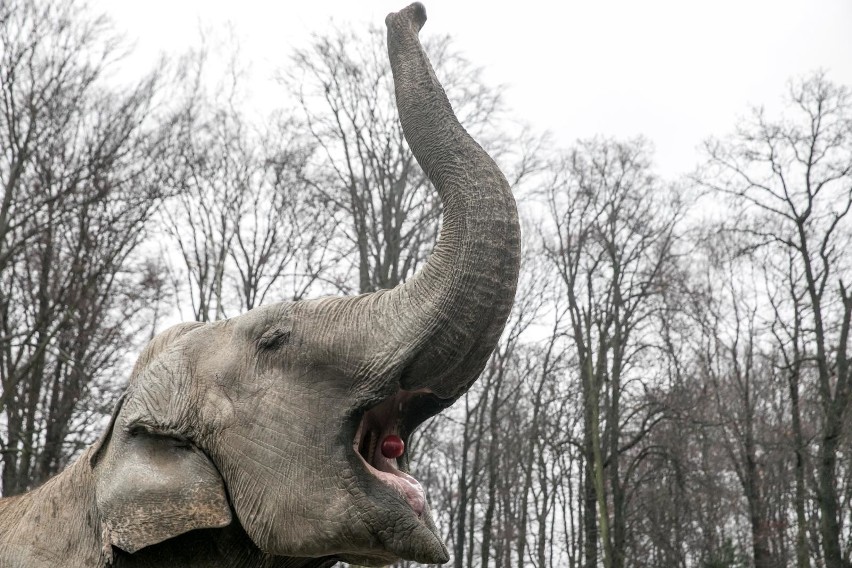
151 487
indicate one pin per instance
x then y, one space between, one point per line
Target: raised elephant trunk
454 309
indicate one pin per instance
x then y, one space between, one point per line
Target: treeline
672 390
685 401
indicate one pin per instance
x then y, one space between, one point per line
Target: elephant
255 441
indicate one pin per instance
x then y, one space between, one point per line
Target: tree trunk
458 545
493 465
802 560
828 499
590 499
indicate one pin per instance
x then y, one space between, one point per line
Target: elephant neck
53 525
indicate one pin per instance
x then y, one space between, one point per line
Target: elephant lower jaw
401 538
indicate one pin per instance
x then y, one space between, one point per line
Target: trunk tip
413 15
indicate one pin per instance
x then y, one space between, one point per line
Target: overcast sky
676 71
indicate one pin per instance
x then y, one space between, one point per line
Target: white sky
676 71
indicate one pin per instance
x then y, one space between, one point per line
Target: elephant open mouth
398 415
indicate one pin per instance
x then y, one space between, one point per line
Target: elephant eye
181 443
274 338
138 429
151 433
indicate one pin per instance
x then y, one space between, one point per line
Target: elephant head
273 419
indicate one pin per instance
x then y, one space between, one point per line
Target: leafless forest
673 389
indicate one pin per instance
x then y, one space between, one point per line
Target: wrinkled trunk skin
458 303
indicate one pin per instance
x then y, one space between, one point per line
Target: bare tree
788 300
243 220
81 175
791 180
739 373
282 242
613 248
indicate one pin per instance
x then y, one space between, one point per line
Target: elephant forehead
290 393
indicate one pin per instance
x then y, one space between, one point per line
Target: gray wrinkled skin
236 443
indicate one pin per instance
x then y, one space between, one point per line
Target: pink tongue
409 487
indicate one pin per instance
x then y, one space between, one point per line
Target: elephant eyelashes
135 430
274 338
173 440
